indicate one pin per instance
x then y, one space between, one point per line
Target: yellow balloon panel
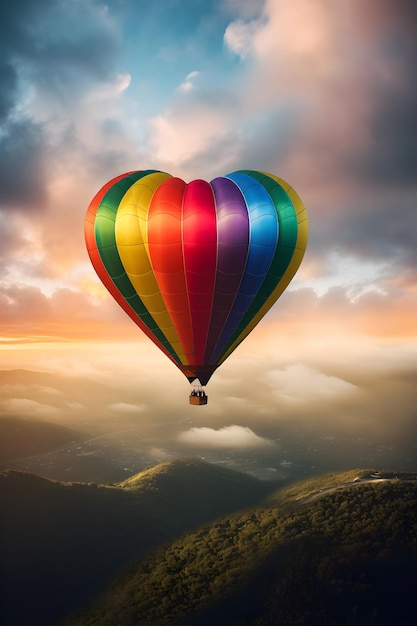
132 243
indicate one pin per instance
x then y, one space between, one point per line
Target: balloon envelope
196 266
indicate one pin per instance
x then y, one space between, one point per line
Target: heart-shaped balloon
197 265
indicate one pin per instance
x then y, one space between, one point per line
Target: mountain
23 437
339 550
61 543
187 543
56 451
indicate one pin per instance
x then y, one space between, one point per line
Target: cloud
337 94
30 408
193 130
62 132
300 383
290 110
239 36
291 39
126 408
356 276
188 84
226 437
27 311
23 160
349 73
331 303
48 59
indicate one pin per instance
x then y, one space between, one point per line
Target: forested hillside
61 543
348 555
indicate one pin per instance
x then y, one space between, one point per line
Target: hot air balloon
196 266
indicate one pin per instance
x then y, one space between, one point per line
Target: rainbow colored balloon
196 266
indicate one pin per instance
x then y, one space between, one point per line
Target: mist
300 411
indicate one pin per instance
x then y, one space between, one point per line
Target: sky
321 93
